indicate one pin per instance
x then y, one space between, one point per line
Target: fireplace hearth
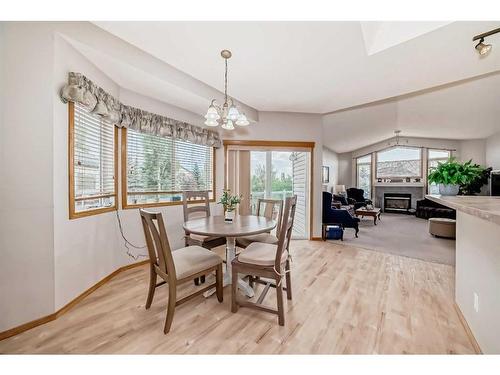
397 202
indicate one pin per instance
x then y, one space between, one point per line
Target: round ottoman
442 227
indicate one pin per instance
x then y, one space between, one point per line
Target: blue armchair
335 216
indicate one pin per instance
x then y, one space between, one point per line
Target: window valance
82 90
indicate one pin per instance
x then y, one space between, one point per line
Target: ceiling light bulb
211 122
233 113
483 48
228 125
242 120
212 113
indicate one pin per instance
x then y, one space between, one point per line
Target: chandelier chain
227 115
225 82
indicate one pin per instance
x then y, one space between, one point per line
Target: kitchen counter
477 266
483 207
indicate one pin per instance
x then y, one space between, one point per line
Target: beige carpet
404 235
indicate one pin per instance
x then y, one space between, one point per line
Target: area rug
404 235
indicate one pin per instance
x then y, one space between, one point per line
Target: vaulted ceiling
367 78
315 67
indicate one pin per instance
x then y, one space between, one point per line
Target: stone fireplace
414 192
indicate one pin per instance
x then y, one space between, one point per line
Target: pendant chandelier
226 115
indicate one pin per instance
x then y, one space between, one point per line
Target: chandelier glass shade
228 114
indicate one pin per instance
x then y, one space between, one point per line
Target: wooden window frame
398 177
71 171
127 206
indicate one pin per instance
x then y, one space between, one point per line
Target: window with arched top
399 162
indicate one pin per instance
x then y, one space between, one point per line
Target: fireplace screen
397 202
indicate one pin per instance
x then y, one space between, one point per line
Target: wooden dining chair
271 209
270 262
195 211
176 267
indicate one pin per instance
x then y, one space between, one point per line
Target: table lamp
339 189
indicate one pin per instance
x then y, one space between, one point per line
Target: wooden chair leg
279 297
219 286
234 288
288 280
172 296
152 286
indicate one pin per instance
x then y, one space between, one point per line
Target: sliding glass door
281 174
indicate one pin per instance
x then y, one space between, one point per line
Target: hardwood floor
345 300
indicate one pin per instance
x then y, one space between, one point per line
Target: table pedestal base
230 255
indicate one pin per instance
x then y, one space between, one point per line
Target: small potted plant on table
229 202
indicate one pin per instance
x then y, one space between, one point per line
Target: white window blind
93 161
160 168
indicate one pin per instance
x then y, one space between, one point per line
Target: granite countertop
484 207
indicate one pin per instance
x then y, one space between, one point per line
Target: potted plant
474 186
450 175
229 202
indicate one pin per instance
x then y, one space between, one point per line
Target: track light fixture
483 48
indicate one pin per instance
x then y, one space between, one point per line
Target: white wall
478 271
493 151
84 249
331 159
346 169
474 149
26 170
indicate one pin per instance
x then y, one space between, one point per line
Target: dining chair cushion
261 254
263 237
193 259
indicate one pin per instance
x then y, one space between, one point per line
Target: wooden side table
375 213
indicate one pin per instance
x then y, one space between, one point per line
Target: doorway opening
271 172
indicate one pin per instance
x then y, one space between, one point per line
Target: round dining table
241 226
